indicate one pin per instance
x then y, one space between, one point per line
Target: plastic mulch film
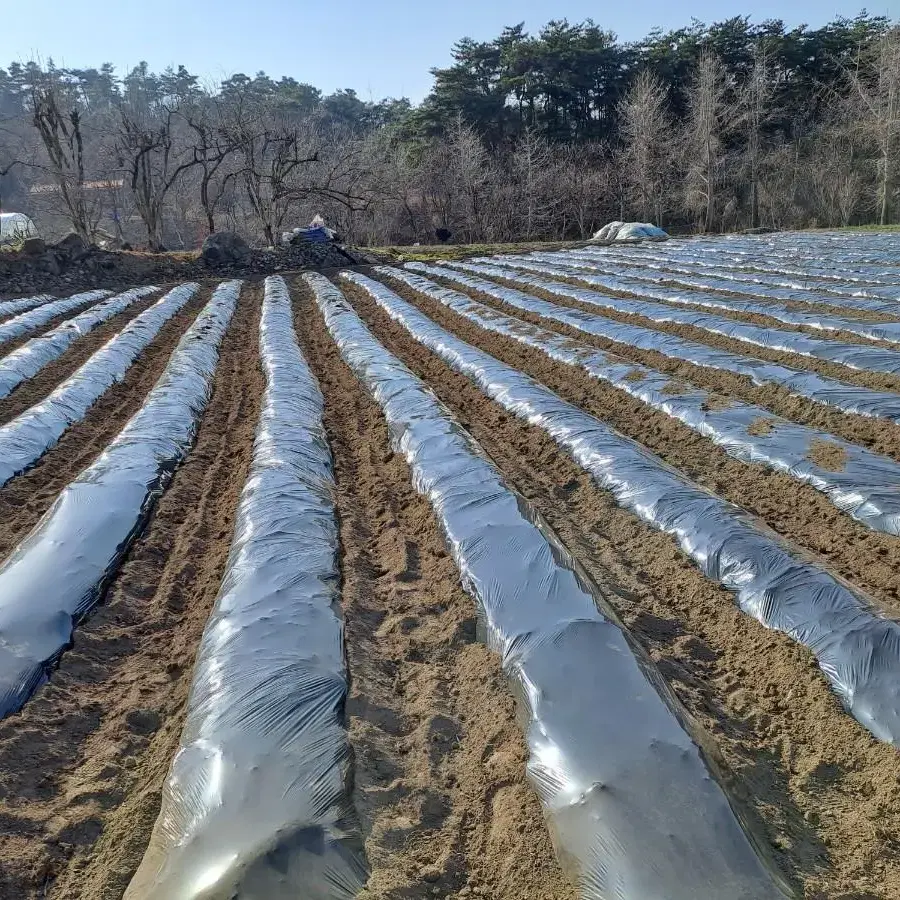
867 486
854 356
635 808
35 318
742 296
61 569
29 359
256 803
805 287
849 263
848 398
25 439
635 273
11 307
857 650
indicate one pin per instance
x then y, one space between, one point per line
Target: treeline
547 136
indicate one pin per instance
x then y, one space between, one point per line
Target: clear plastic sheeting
28 360
25 439
635 809
820 255
636 275
805 289
61 569
847 258
882 331
35 318
256 804
854 356
857 650
11 307
848 398
867 487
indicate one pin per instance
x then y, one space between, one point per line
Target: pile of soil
23 274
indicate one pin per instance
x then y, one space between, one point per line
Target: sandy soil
869 559
26 498
876 380
35 389
82 765
826 793
878 434
440 759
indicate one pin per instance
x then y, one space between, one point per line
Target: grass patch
465 251
863 228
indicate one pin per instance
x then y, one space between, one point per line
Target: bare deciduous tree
152 161
877 88
647 138
703 139
61 128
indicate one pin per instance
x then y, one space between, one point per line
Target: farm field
569 573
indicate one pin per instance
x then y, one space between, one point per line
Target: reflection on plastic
856 260
256 804
635 810
775 582
25 439
11 307
854 356
578 266
35 318
60 570
867 485
829 391
760 284
28 360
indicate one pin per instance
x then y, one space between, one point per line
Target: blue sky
379 47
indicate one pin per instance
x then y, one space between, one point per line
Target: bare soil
36 388
440 760
870 559
828 455
26 498
877 434
825 792
82 765
440 790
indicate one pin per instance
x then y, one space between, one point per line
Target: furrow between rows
796 757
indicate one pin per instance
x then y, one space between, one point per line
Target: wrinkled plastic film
35 318
811 289
854 356
848 398
60 570
264 732
643 278
856 260
635 810
867 487
775 582
20 304
25 439
28 360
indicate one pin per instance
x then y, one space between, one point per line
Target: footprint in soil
80 833
443 737
658 630
433 810
466 631
380 716
412 562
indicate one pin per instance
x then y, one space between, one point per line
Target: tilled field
615 618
